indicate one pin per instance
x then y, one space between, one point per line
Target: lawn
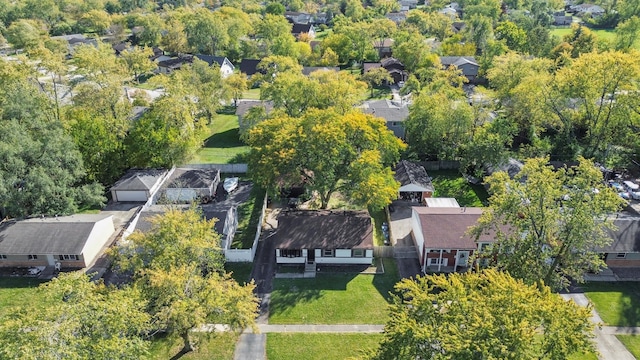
248 217
378 217
617 303
251 94
241 272
319 346
15 291
382 92
631 342
222 144
219 346
602 34
450 183
346 298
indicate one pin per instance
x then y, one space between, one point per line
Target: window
3 257
32 257
621 255
437 261
290 253
68 257
483 247
357 253
327 253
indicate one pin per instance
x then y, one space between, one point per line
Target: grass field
219 346
319 346
450 183
346 298
241 272
248 217
378 216
617 303
602 34
222 145
632 343
251 94
17 291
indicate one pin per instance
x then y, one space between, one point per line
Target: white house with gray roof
74 241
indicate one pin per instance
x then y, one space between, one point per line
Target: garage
138 185
124 196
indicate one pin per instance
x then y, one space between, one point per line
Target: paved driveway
404 249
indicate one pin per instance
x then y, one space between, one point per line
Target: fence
383 251
247 255
440 165
224 168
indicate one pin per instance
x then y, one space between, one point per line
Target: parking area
404 249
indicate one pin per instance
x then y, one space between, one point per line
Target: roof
370 66
408 172
246 105
442 202
307 70
458 60
183 178
387 109
387 42
209 59
446 228
324 230
249 66
512 167
175 62
49 236
301 28
145 221
626 236
138 179
386 62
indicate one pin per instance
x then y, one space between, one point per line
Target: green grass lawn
378 217
382 92
346 298
241 272
631 342
617 303
319 346
248 217
219 346
602 34
15 291
222 144
450 183
251 94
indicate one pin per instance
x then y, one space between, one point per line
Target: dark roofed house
170 65
397 17
72 241
467 64
392 65
415 184
249 66
298 29
138 185
441 238
186 185
324 237
75 40
393 112
560 20
624 250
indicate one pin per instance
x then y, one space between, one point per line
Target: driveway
404 249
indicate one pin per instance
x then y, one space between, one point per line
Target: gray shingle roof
193 178
408 172
49 236
138 179
387 109
626 238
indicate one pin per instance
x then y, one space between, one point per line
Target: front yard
345 298
218 346
632 343
222 144
450 183
319 346
617 303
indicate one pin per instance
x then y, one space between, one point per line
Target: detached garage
138 185
415 184
187 185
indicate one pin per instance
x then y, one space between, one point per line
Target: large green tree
549 223
329 152
482 315
178 266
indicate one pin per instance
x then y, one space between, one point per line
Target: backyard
336 298
248 217
319 346
222 144
450 183
15 291
240 271
618 304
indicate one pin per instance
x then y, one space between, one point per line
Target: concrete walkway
609 347
321 328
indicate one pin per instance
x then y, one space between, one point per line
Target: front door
463 258
311 256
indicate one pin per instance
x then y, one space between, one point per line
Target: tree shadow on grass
225 139
626 312
384 283
630 303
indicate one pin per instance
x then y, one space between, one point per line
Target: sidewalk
320 328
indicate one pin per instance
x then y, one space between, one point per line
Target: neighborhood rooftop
446 228
139 179
408 172
193 178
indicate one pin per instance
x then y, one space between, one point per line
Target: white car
635 195
230 184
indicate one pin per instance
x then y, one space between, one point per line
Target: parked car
230 184
617 186
631 186
635 195
624 195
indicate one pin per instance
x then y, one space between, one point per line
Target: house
466 64
441 202
397 17
458 26
307 70
172 64
392 65
562 20
249 66
624 250
187 185
587 9
158 55
415 184
393 112
75 40
324 237
441 239
299 29
296 17
384 47
138 185
512 167
449 11
72 241
406 5
120 48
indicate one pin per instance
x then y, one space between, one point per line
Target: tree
206 31
514 36
331 152
580 41
95 20
178 266
272 29
24 34
236 84
137 60
376 77
482 315
627 33
174 39
549 224
78 319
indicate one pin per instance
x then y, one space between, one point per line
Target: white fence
247 255
224 168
